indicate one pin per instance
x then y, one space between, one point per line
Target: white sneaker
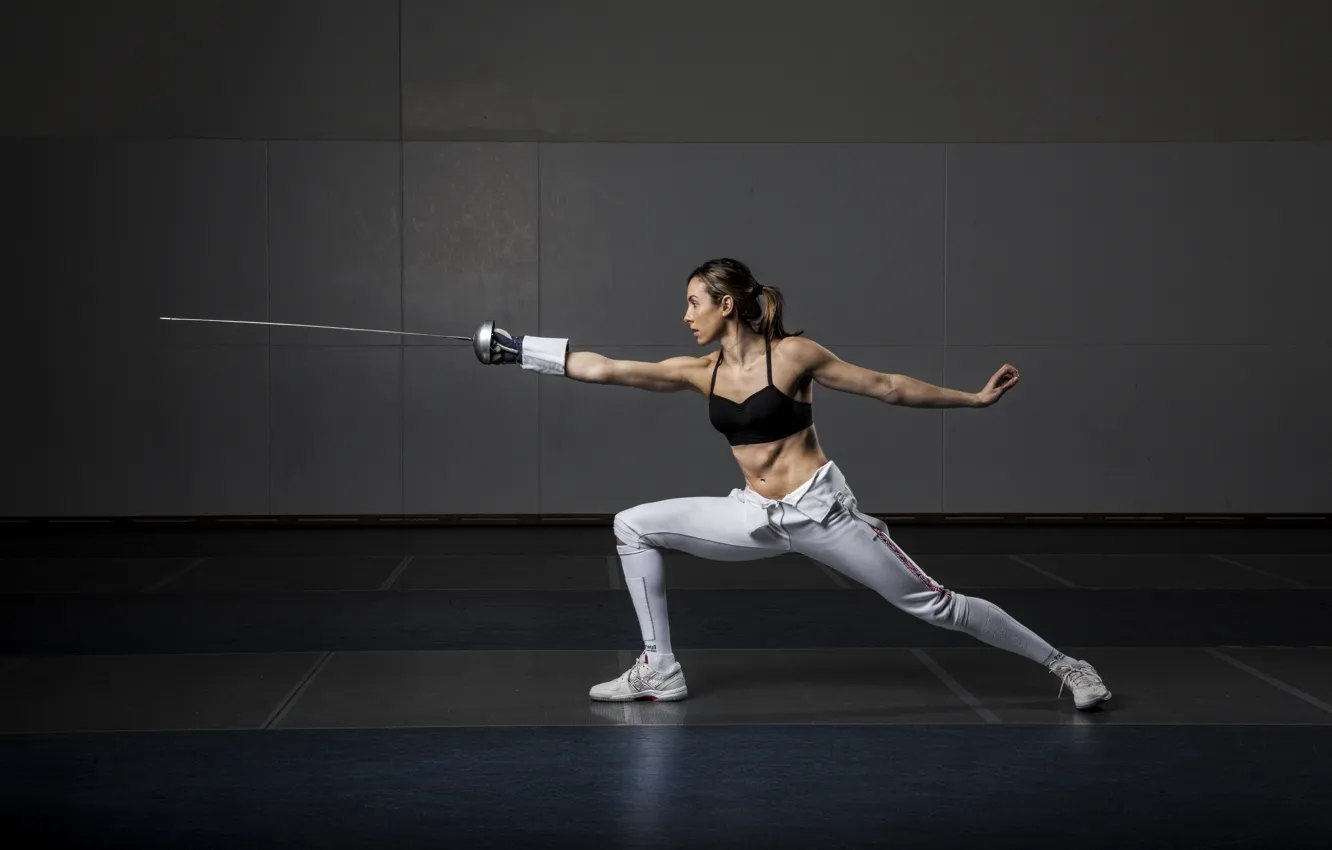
1083 680
642 682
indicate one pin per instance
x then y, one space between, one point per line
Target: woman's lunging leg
707 527
714 528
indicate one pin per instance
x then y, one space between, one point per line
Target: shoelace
636 676
1073 676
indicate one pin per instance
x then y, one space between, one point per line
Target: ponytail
770 325
725 276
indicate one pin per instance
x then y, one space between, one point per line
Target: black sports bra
765 416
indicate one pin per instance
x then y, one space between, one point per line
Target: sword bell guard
481 342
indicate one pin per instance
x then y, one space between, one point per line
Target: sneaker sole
1083 706
651 696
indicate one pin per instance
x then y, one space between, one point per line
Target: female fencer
758 386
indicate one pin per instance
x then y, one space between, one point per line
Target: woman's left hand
1001 382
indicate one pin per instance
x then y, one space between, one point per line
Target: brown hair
725 276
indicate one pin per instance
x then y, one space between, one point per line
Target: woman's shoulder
800 347
800 352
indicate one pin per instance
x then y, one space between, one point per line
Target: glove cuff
544 354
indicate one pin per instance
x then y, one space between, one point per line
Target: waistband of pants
825 488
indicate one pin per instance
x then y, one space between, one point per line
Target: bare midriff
775 469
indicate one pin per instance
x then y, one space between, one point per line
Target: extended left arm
836 374
910 392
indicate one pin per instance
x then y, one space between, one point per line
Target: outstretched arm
907 391
831 371
551 356
666 376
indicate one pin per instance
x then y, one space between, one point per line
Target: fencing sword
482 341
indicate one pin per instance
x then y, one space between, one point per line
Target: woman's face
704 318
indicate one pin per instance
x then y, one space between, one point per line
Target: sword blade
320 327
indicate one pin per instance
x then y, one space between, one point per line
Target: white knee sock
645 576
988 622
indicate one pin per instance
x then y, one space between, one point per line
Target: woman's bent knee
625 532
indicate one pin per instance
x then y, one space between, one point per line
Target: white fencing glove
544 355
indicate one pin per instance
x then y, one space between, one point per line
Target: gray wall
1128 201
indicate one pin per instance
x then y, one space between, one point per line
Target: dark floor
428 687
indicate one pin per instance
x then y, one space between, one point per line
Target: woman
759 385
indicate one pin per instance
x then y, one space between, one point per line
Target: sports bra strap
767 344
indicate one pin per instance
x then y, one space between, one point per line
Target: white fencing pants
820 520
